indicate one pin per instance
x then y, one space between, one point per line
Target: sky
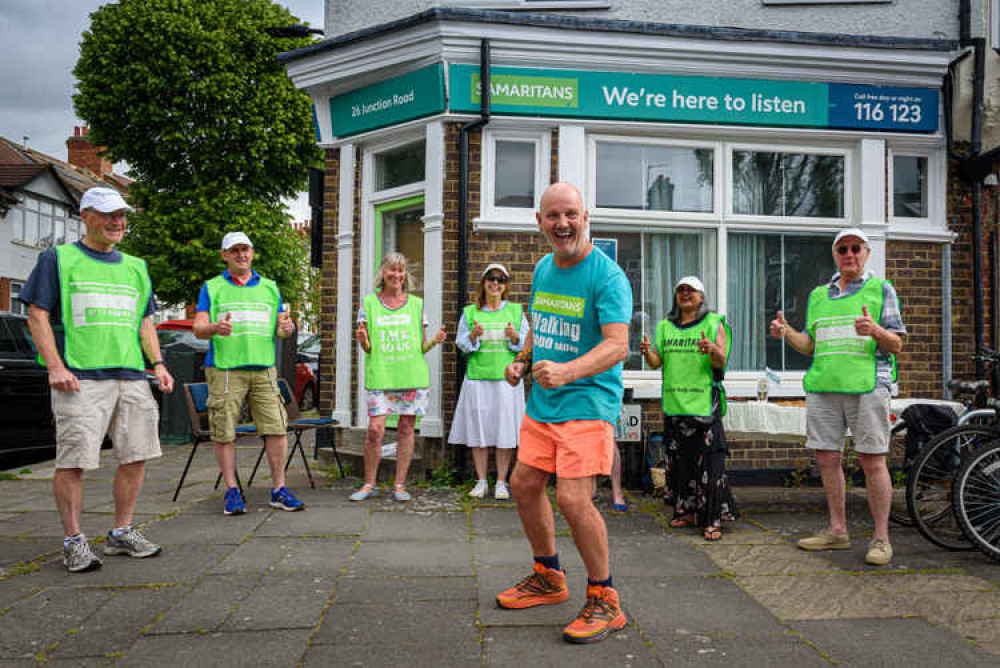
39 46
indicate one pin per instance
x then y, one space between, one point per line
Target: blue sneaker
234 502
285 500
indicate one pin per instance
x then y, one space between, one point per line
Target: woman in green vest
489 410
390 330
692 345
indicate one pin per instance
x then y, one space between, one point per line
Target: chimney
82 153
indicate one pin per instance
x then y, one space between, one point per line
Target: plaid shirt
891 320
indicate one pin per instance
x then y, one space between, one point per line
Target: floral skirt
696 471
397 402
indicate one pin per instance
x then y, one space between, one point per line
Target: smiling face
104 230
394 278
850 255
239 259
563 221
688 299
495 286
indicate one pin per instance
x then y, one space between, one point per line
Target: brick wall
328 284
915 270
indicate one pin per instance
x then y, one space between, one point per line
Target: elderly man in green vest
102 302
853 330
240 311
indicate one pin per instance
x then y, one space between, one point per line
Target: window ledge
505 224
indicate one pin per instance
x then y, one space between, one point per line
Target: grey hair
393 259
675 311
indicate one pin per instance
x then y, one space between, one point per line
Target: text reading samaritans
389 102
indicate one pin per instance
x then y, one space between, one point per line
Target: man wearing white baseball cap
103 301
240 312
853 330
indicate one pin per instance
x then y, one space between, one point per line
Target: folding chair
297 425
196 395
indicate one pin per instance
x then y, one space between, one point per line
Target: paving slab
116 625
45 523
738 651
645 555
393 589
287 555
283 602
768 559
706 605
412 558
250 649
14 550
892 642
465 654
36 624
516 551
443 526
543 647
197 530
836 596
206 605
14 590
408 623
338 521
983 632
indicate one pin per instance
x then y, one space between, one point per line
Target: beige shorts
227 390
123 409
828 414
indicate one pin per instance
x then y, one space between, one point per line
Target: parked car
27 432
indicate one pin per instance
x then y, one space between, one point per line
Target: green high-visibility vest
102 309
493 356
254 318
396 360
842 361
688 375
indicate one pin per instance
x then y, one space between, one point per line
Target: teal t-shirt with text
568 308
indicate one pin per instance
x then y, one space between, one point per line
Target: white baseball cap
850 232
235 239
692 282
499 267
105 200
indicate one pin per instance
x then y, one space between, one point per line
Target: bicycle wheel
928 489
976 499
898 469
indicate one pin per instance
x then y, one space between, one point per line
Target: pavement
380 583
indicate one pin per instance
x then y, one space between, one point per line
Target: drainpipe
463 195
977 202
947 366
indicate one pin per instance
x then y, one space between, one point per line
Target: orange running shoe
543 587
600 616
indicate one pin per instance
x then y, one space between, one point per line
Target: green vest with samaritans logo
396 360
102 309
493 356
842 361
254 317
688 374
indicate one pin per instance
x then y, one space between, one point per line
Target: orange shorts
573 449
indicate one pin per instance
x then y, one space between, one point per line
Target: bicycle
976 499
929 479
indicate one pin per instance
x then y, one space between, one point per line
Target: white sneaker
502 492
479 491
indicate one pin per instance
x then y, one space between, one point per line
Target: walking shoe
234 502
78 557
400 494
600 616
879 553
132 543
501 492
284 499
364 494
824 540
479 491
543 587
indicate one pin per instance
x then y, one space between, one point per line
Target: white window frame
934 226
514 5
492 216
16 306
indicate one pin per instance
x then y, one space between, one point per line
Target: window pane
515 174
72 230
654 178
45 223
16 305
653 263
788 184
399 166
768 272
31 227
16 224
60 231
909 186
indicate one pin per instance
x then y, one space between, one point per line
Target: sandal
713 534
366 492
682 521
400 494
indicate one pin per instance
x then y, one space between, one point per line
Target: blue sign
883 108
608 246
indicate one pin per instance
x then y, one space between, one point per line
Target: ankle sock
549 562
599 583
118 531
78 538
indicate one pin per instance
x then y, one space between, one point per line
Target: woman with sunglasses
692 346
489 410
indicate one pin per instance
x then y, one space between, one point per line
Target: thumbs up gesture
865 326
511 333
285 325
704 345
476 331
644 346
779 326
225 326
361 336
441 335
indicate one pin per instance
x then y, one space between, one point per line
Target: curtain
746 283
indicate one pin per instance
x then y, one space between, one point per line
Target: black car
27 432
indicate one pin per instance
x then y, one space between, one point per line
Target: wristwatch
159 362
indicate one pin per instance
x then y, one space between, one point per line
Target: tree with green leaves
190 94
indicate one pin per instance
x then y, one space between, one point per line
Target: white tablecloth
755 419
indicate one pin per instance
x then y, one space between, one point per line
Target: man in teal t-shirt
581 305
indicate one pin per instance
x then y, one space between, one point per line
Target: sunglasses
498 279
856 248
